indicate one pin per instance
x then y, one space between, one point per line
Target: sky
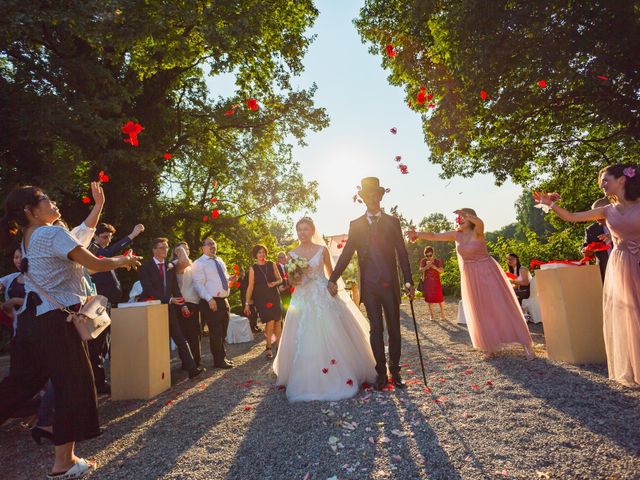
363 107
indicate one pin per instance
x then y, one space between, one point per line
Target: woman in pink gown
494 317
621 291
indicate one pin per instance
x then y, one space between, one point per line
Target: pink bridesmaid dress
621 296
494 317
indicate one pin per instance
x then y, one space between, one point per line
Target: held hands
177 301
97 193
605 237
333 288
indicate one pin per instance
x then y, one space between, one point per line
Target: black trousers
192 331
98 349
217 322
48 347
177 335
379 299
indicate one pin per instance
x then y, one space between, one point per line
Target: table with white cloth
570 302
239 329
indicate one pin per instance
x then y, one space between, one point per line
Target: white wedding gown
324 351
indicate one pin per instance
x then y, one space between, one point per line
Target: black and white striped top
49 266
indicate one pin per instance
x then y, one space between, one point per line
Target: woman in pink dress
621 291
494 317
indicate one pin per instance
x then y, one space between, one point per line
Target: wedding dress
324 351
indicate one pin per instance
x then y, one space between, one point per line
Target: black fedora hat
371 185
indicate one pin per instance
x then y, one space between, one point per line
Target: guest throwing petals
494 317
431 269
264 279
621 291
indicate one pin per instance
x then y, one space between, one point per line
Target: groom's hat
370 185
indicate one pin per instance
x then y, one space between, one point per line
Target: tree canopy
544 92
73 73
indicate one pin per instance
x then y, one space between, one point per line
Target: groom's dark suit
377 244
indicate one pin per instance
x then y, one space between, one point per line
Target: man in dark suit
107 284
158 279
598 232
377 237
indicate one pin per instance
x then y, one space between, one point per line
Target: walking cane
415 326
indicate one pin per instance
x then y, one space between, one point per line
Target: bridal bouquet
296 268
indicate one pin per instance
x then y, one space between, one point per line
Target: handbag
92 318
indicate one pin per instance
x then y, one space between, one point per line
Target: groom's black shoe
381 382
397 381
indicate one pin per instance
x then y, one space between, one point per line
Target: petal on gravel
396 458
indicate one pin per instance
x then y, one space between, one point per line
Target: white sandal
80 470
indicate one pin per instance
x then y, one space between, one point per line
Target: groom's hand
411 292
333 288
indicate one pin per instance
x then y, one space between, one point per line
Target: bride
324 351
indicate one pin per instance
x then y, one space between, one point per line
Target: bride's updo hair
308 221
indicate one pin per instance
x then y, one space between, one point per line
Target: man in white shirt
211 281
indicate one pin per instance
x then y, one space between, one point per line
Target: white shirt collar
158 262
371 216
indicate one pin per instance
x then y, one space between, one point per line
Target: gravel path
505 418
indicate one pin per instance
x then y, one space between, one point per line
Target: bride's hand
546 198
412 235
333 288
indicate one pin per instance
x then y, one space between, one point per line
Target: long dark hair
14 212
518 265
632 174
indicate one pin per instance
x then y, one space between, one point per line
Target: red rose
86 199
483 95
167 156
542 84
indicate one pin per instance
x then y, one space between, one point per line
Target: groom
377 237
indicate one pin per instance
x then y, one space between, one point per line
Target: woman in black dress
263 293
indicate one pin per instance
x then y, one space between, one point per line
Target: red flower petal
340 246
252 103
542 84
269 305
292 289
167 156
431 105
237 284
427 390
602 77
398 158
333 361
228 113
423 88
394 130
213 200
403 169
489 384
86 199
247 408
325 370
236 268
205 218
390 51
215 214
350 382
430 96
475 387
421 97
483 95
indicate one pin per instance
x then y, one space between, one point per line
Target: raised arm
549 199
85 258
471 218
435 237
98 204
183 259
